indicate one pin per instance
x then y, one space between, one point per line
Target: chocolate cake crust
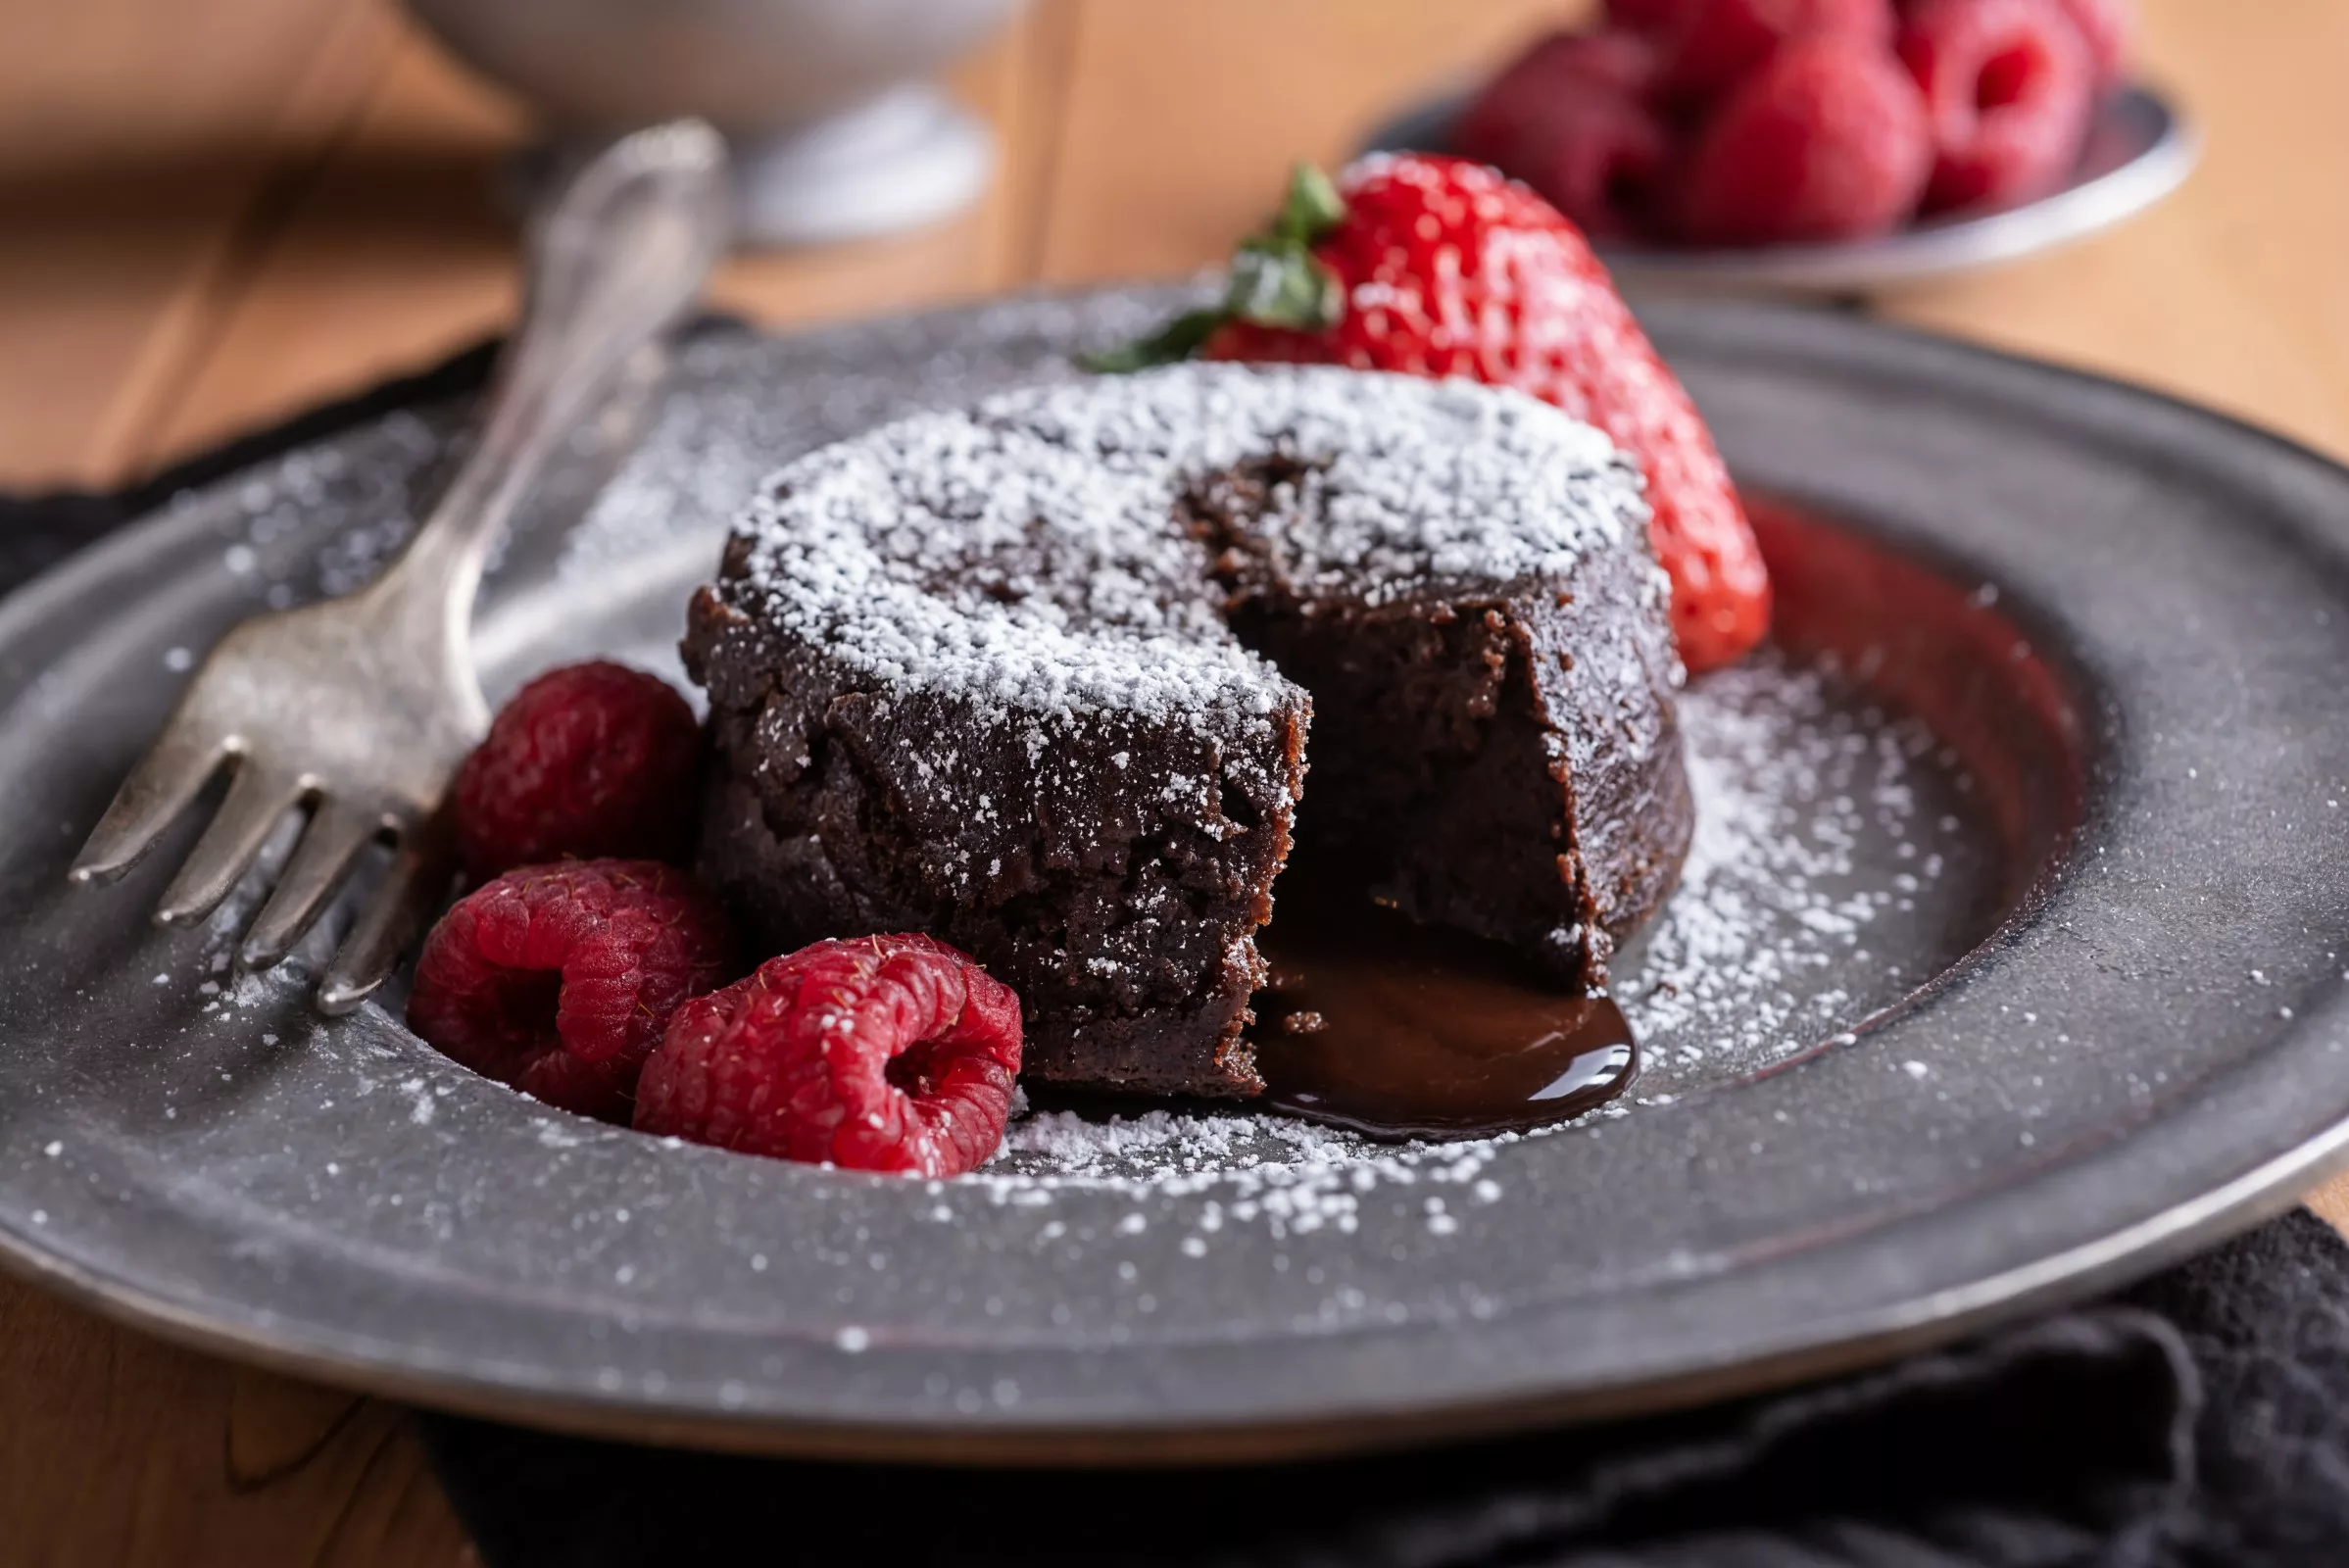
1034 678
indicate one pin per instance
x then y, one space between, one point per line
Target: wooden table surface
212 216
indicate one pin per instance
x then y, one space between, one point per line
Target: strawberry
1439 266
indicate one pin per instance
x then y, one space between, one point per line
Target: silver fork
360 708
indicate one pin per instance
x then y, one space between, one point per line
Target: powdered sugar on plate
1778 941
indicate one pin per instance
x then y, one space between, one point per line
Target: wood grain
2231 293
1176 137
394 253
212 214
403 248
2332 1202
138 144
116 1448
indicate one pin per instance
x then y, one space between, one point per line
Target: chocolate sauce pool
1397 1030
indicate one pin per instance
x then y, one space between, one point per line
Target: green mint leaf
1179 339
1280 282
1310 209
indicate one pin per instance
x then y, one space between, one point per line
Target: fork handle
619 258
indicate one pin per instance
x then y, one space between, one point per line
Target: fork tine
336 833
161 785
418 877
258 798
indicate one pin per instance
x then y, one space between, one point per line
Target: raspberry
2107 27
1644 15
886 1053
1569 118
1825 143
558 979
1602 162
1619 61
1712 45
590 759
2009 87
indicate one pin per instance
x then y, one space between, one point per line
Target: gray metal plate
2148 1051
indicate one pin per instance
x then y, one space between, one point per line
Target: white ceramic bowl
834 127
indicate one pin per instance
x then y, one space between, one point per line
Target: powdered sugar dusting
1794 774
1027 554
742 407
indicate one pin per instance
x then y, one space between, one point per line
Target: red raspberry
1619 61
1569 118
2010 89
1712 45
1644 15
1602 162
2107 27
887 1052
1825 143
590 759
558 979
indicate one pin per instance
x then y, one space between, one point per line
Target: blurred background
212 216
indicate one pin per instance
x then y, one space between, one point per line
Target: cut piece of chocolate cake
1034 678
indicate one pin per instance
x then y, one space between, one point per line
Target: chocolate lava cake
1037 678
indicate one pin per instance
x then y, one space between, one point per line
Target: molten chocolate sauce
1397 1030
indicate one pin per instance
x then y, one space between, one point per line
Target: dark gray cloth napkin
2200 1419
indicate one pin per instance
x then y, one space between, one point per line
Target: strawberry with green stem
1437 266
1275 280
